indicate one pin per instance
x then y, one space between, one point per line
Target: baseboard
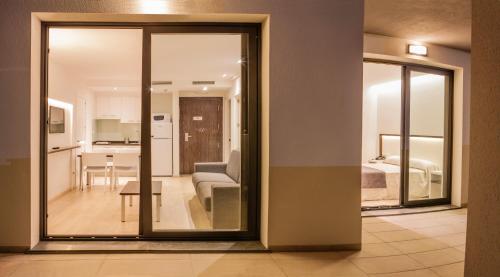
315 248
13 249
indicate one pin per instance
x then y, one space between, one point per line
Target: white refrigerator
161 148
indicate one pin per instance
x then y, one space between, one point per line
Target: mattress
417 178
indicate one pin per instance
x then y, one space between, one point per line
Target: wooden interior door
200 133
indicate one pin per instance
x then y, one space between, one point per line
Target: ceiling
183 58
110 60
443 22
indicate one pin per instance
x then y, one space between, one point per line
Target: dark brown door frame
250 132
405 125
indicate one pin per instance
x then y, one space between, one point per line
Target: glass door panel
197 83
428 135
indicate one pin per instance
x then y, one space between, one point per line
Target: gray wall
312 180
482 252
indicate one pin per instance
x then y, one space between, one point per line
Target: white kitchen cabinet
108 107
131 109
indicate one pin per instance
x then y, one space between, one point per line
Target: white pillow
424 165
395 160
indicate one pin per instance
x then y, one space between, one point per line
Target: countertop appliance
161 144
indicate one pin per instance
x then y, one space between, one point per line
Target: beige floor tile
232 256
388 264
369 220
391 236
381 227
438 257
8 267
207 267
460 247
419 245
453 239
64 257
369 238
319 267
306 255
420 223
146 268
436 231
12 257
413 273
450 270
374 250
73 268
147 256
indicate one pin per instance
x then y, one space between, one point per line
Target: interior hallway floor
427 244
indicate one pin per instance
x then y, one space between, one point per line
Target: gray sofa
217 186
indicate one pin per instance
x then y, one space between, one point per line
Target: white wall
381 105
62 87
161 103
427 105
235 128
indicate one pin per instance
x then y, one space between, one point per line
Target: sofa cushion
233 166
204 193
210 177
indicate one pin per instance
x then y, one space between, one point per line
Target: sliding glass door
427 137
407 117
199 163
150 132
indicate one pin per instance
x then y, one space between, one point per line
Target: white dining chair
93 163
124 163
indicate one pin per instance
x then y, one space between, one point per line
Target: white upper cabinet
125 108
131 109
108 107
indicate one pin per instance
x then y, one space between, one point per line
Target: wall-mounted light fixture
415 49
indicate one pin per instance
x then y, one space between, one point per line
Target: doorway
139 194
406 135
200 131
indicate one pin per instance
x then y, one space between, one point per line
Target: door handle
186 136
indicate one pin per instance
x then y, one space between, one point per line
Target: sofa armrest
226 206
216 167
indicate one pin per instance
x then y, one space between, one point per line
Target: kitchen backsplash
113 130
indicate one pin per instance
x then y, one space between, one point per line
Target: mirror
56 120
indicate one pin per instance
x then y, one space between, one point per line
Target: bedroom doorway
406 136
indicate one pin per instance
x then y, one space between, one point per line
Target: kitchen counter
63 148
116 143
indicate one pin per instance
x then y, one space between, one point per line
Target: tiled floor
428 244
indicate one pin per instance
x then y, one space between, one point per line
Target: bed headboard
430 148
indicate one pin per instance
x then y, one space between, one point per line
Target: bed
381 181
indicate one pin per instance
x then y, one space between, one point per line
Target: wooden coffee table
133 188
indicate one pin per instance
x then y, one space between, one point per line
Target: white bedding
418 183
